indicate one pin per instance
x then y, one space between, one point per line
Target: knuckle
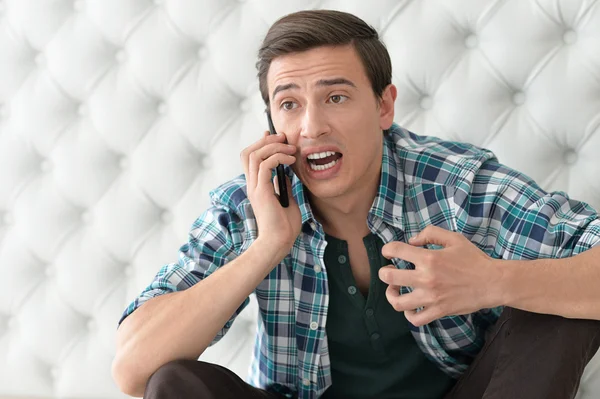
430 282
430 258
397 306
434 297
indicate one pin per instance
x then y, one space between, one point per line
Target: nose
314 122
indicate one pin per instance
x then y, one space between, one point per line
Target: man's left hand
457 279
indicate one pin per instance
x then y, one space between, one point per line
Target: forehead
314 64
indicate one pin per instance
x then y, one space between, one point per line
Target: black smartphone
283 198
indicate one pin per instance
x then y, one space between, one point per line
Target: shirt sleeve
211 244
509 216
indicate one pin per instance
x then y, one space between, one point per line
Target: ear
386 107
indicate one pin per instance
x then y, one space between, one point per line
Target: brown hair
304 30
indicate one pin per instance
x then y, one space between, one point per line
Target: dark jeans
526 355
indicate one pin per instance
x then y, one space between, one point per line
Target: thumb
434 235
288 186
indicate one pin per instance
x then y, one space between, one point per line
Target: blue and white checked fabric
424 181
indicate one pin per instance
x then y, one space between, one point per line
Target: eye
338 98
288 105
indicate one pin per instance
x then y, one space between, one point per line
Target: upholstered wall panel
118 116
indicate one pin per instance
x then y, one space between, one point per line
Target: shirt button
342 259
317 268
352 290
314 325
306 382
369 312
374 337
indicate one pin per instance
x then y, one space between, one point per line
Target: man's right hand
278 227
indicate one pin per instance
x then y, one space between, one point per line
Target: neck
347 214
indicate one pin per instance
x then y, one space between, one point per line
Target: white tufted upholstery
118 116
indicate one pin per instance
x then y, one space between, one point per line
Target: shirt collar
388 203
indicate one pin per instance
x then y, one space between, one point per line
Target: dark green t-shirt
373 353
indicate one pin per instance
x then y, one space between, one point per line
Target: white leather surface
118 116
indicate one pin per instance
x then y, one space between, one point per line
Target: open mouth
323 160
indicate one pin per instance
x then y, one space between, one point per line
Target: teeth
323 167
320 155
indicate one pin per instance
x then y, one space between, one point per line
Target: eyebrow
321 82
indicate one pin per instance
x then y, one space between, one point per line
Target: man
465 298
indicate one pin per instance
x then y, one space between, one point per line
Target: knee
562 328
167 379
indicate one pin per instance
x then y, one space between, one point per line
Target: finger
266 166
265 139
258 156
435 235
399 277
269 149
276 185
401 250
425 316
405 302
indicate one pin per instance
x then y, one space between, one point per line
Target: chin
325 190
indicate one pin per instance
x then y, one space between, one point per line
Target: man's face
322 100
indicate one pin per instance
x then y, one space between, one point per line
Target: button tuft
45 166
519 98
206 162
12 322
245 105
167 217
40 59
86 217
8 219
202 53
123 162
471 41
120 56
78 5
162 108
426 102
570 37
49 271
570 157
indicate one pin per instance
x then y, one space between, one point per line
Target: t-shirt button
352 290
374 337
369 312
317 268
342 259
314 325
306 382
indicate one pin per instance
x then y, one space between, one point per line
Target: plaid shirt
424 180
